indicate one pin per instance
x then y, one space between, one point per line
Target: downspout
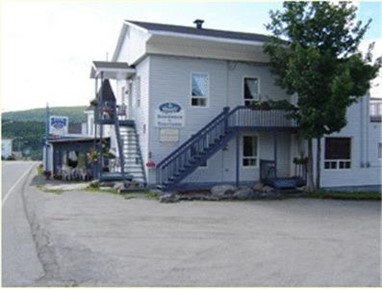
227 105
361 141
100 159
275 151
237 158
367 124
95 116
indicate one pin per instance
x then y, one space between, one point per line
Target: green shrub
338 195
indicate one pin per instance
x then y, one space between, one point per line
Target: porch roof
111 70
71 140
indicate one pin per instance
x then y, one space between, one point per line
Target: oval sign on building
169 115
170 107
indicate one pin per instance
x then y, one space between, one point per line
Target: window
251 90
249 157
337 153
380 150
199 89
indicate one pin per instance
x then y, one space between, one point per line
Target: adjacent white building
183 115
6 148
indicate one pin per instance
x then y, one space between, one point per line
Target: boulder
267 189
244 194
169 198
223 190
258 186
270 193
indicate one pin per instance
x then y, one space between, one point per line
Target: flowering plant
93 156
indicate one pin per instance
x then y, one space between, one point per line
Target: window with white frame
251 91
199 89
337 153
250 151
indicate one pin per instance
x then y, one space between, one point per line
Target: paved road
100 239
20 264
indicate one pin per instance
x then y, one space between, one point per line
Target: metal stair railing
191 152
119 143
131 150
197 149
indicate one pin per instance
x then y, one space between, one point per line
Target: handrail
193 137
207 139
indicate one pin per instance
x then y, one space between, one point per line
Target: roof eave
207 38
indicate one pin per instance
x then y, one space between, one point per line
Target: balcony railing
213 136
244 117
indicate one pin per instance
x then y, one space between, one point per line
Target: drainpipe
361 134
275 151
367 125
100 159
237 158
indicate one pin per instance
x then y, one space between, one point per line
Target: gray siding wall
170 81
366 167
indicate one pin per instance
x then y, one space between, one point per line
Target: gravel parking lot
101 239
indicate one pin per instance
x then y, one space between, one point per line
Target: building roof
155 27
110 69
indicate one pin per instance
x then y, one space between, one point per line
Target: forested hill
27 127
75 114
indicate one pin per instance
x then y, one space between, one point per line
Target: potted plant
47 174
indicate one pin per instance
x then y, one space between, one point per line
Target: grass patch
54 191
337 195
152 195
141 194
101 190
40 170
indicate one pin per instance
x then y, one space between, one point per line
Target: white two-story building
181 107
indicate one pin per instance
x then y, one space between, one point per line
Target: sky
47 47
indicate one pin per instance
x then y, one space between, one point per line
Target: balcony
244 118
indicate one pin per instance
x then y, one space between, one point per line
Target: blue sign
58 122
58 125
170 107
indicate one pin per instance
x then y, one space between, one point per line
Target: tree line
27 128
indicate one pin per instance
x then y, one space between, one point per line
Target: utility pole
46 163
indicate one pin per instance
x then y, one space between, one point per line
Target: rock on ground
223 190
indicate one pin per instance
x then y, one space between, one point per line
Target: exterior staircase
129 163
131 152
213 137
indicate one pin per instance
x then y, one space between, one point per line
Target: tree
314 53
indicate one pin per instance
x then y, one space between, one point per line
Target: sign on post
58 125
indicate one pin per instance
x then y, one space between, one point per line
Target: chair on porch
268 175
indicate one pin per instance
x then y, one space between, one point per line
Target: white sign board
169 135
58 125
169 115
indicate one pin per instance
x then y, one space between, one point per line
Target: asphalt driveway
101 239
